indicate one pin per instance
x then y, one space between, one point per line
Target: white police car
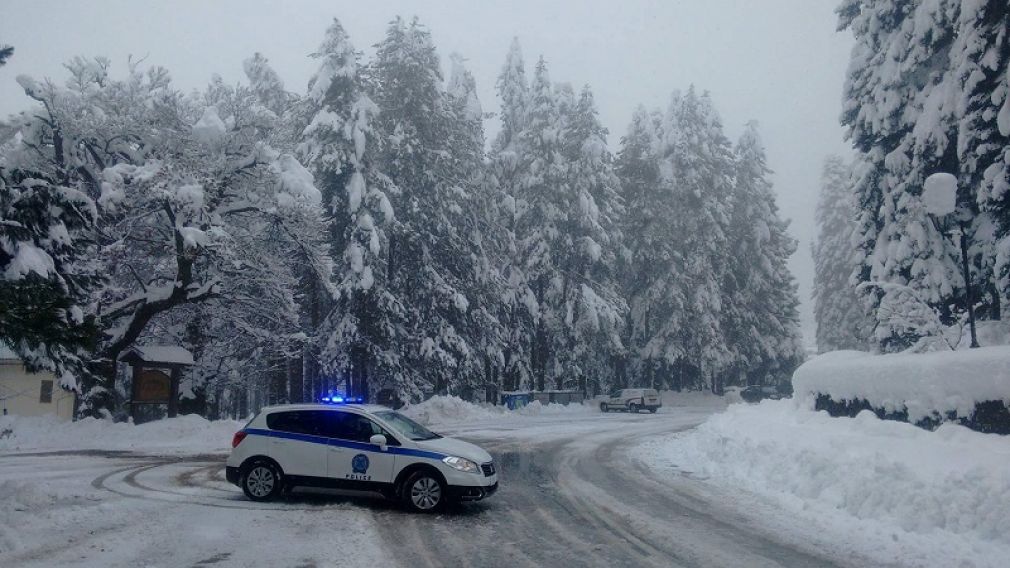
356 446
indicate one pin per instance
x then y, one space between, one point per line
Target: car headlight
461 464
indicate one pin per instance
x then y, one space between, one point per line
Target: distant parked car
757 393
632 400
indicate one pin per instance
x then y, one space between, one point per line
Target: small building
31 394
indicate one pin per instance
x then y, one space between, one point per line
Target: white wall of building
21 392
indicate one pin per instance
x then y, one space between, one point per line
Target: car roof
360 408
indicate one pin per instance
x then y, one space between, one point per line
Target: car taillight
237 438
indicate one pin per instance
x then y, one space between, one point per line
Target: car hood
454 447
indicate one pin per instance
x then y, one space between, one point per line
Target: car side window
354 427
295 422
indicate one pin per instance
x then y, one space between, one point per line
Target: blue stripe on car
342 443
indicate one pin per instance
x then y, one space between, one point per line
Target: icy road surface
570 496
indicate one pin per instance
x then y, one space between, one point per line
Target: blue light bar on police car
341 400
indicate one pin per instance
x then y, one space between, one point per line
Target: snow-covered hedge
921 388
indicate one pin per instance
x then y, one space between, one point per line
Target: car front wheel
261 481
603 407
633 408
424 492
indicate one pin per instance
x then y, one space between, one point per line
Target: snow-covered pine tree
904 102
760 301
591 344
266 85
45 279
541 212
652 281
980 57
45 275
488 309
839 314
341 144
697 166
506 172
434 258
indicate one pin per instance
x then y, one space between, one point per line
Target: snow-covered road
571 496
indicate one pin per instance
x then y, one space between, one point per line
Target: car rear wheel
424 492
653 410
261 481
603 407
633 407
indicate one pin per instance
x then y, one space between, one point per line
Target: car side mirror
378 440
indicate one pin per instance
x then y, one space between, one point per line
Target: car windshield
406 426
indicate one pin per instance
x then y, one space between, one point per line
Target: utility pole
969 298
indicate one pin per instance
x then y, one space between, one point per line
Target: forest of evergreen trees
363 235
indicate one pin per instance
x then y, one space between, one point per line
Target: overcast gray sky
779 62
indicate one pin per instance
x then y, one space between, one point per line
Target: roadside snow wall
971 387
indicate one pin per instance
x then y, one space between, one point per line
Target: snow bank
925 383
183 435
939 487
453 410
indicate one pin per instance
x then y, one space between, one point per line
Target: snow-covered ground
97 493
885 489
857 490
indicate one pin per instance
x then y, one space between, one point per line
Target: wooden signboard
152 387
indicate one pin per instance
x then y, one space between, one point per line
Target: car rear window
651 392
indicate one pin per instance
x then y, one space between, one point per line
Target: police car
356 446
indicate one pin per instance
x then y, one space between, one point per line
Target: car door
628 396
350 456
650 397
615 399
296 443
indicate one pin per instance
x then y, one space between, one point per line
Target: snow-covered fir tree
341 145
651 280
697 164
594 308
760 301
839 314
435 262
45 276
980 58
919 99
505 177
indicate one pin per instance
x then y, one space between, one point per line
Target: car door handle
336 449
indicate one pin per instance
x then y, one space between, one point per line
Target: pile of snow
941 381
183 435
869 478
454 410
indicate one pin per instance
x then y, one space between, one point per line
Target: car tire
633 408
604 408
424 492
261 481
653 410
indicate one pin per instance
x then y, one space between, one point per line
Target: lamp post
939 195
